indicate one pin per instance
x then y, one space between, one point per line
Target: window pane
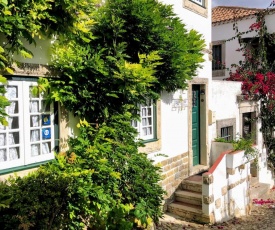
200 2
143 112
134 124
2 139
13 153
34 121
144 122
149 130
217 57
35 150
149 121
227 133
3 155
13 122
35 135
12 108
144 130
34 106
46 107
12 92
13 138
46 148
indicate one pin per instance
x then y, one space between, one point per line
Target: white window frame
146 126
24 113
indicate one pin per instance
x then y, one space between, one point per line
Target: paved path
262 217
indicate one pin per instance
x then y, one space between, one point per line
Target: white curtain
35 150
3 156
45 148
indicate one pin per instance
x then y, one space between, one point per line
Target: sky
244 3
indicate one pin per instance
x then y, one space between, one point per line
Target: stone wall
174 170
225 188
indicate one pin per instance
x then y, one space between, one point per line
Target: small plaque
46 133
46 120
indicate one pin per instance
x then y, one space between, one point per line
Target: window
198 6
217 57
227 133
29 137
146 125
200 2
226 128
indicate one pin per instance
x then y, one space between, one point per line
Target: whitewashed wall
225 31
174 124
199 23
41 51
224 102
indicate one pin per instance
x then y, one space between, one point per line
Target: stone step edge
188 193
196 209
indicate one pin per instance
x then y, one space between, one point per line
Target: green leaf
7 12
9 70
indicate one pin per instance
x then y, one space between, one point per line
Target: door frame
204 136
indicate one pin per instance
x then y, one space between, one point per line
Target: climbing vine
257 74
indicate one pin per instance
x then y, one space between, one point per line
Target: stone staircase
188 200
257 189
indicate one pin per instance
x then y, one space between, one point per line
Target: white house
232 113
224 50
201 182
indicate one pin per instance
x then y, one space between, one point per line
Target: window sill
150 140
21 168
218 73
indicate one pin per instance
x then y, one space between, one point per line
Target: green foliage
241 143
246 144
108 59
143 26
103 183
25 22
139 49
221 139
256 72
131 178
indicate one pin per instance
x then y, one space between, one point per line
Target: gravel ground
262 217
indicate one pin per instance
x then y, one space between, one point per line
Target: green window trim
23 168
154 126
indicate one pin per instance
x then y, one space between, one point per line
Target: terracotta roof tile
223 14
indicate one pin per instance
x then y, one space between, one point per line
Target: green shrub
103 182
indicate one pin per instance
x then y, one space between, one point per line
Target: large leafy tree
139 49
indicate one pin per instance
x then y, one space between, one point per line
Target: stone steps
258 190
188 200
188 197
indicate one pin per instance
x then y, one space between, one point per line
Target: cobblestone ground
262 217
